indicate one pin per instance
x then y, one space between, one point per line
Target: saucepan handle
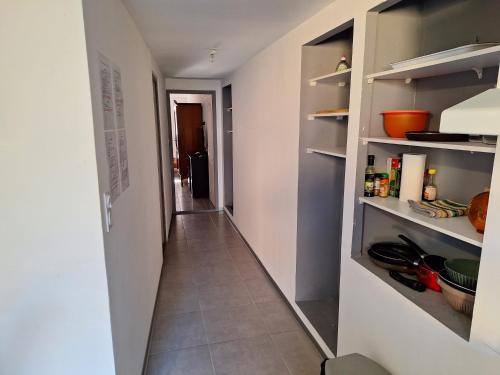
413 245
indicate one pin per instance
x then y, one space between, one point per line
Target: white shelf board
341 78
476 60
339 151
430 301
336 115
456 227
459 146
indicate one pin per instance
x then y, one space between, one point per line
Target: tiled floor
218 314
184 201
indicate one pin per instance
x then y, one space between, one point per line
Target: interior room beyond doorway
194 145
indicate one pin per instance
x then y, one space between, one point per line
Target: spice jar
384 185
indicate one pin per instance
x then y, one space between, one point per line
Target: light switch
106 197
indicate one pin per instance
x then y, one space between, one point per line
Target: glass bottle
342 65
430 189
370 177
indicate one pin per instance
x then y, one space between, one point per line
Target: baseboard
146 354
283 297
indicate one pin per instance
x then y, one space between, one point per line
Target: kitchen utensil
410 283
397 123
391 262
429 267
429 136
445 277
463 272
395 253
442 54
408 258
478 210
458 300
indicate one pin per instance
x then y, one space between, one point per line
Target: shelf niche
321 183
463 170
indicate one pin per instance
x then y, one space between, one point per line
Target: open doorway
194 150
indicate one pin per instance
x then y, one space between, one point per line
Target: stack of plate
458 282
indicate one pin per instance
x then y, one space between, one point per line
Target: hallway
217 312
184 200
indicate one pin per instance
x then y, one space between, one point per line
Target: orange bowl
397 123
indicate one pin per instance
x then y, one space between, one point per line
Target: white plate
442 54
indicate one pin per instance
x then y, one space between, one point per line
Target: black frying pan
394 256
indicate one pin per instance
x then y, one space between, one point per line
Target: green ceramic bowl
463 272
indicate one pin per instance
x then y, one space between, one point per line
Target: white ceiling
181 32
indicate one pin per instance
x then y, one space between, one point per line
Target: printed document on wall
118 95
122 148
106 93
114 169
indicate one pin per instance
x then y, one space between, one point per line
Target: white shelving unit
321 175
339 152
458 146
335 115
456 227
465 169
339 78
474 61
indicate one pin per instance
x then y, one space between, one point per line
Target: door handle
229 131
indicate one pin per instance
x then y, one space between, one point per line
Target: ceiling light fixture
211 56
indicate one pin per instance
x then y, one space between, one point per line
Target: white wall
133 247
54 307
206 85
208 117
374 320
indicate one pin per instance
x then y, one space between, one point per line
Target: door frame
159 149
216 125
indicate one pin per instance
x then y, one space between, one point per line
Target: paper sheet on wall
118 95
106 93
113 167
122 149
114 126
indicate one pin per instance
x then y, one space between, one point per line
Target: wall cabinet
406 30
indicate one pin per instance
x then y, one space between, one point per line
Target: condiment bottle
430 189
342 65
384 185
376 187
370 177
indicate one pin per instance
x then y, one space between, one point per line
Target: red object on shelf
397 123
428 277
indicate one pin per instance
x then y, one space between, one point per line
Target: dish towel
439 209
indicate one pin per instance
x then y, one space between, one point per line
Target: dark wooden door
189 133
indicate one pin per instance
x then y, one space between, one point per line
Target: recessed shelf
339 151
473 61
323 315
336 115
456 227
430 301
340 78
458 146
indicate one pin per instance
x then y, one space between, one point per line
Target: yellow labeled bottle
430 189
